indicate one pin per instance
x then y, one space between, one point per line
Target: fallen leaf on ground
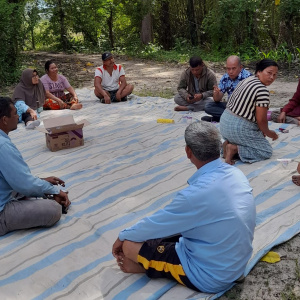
271 257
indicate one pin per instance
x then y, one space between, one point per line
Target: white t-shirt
110 83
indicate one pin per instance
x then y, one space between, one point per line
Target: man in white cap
110 82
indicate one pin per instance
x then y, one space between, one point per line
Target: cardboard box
63 133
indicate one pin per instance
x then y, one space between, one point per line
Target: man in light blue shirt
203 238
17 185
234 75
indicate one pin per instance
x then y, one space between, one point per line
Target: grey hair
235 57
204 140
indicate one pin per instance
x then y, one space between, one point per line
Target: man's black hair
195 61
5 108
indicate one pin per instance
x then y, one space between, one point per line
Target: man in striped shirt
110 82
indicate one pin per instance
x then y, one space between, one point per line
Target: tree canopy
244 27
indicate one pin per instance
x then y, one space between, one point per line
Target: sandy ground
265 281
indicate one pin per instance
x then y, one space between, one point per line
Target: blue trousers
215 109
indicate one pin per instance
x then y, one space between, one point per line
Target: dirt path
265 281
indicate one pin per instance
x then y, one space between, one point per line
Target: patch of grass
266 283
163 93
288 294
6 91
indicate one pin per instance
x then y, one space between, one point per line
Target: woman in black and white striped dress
244 123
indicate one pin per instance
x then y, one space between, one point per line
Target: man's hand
118 95
281 117
117 249
107 99
55 180
217 94
62 198
197 97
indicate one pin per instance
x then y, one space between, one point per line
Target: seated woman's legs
251 144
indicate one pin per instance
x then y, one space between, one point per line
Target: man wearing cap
110 82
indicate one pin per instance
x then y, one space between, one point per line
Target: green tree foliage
32 17
11 23
232 24
249 28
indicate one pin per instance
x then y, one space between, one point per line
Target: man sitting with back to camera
20 206
203 238
195 87
110 82
235 74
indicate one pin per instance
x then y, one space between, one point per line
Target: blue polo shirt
215 215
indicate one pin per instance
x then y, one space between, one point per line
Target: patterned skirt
251 143
52 104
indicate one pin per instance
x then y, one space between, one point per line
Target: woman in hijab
29 96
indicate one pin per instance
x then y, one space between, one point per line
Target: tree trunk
32 39
284 35
110 28
147 29
166 36
63 34
192 23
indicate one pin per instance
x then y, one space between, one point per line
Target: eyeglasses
35 76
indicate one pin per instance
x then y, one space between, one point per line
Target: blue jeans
215 109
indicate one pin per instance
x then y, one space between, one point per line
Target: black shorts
160 260
113 97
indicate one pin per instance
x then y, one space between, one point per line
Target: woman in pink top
55 84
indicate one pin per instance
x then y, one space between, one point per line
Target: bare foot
231 150
224 148
180 108
76 106
296 179
298 168
129 266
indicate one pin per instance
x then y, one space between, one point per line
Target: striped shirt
248 94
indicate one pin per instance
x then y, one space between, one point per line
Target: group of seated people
204 245
32 95
244 117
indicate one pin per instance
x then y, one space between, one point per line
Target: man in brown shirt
195 87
